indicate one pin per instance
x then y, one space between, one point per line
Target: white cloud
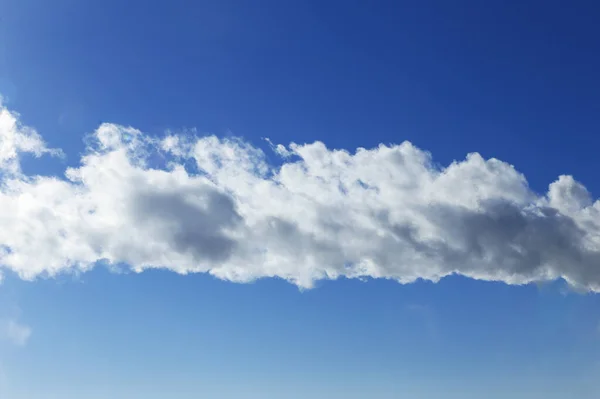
215 205
14 332
16 139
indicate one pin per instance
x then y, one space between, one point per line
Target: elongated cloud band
213 205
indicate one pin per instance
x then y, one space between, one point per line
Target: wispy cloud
15 332
386 212
16 139
428 318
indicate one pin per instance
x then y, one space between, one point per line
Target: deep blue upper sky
516 80
511 79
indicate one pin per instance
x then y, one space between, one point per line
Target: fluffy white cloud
16 333
215 205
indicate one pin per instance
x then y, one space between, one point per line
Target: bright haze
298 199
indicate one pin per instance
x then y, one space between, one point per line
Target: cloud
205 204
14 332
428 317
16 139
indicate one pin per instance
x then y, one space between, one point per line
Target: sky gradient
155 244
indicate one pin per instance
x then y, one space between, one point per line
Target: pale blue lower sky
159 334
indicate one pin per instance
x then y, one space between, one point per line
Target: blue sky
516 81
